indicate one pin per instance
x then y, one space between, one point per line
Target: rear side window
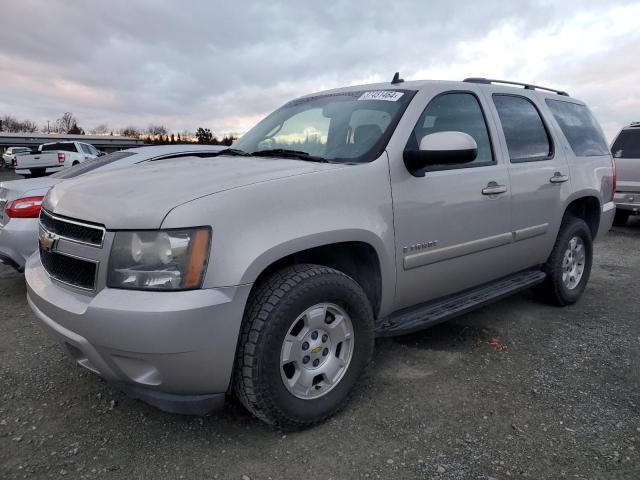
581 129
85 148
526 135
627 145
55 147
458 112
91 165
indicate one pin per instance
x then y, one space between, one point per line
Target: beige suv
626 151
268 269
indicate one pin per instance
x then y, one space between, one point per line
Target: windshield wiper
286 153
232 151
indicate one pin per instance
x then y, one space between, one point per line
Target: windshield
345 127
90 165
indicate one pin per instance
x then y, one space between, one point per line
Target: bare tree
66 123
156 130
101 129
130 131
9 123
29 127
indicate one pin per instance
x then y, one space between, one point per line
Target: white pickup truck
53 157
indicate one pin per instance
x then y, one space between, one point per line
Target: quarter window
525 132
579 127
458 112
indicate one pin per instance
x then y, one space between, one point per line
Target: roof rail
527 86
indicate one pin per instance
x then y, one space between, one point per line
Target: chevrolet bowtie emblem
317 349
47 240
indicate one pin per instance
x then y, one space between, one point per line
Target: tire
273 314
558 288
75 163
620 220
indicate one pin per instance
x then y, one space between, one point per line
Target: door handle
559 178
493 188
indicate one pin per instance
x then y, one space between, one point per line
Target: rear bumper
628 201
43 169
18 241
174 350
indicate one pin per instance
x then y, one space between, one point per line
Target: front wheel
306 338
569 265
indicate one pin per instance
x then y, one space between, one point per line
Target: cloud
226 65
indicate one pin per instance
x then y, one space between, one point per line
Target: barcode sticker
387 95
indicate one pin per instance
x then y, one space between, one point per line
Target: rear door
452 224
538 172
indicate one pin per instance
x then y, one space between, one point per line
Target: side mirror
441 148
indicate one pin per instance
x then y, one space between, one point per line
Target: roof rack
527 86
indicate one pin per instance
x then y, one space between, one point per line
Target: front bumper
174 350
18 241
628 201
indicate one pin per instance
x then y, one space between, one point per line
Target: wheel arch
588 208
359 259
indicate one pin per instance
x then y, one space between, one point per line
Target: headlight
159 260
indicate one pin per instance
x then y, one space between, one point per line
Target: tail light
614 180
60 157
14 162
27 207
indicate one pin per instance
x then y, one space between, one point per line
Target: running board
416 318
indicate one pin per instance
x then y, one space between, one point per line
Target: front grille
74 271
72 230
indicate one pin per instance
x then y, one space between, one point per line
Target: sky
225 65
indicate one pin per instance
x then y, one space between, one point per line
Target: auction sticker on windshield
388 95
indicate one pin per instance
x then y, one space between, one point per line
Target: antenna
397 79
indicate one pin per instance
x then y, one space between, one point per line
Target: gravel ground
514 390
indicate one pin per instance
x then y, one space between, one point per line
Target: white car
20 200
53 157
12 152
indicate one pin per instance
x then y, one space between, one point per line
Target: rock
390 461
440 469
246 477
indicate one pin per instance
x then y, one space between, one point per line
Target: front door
453 224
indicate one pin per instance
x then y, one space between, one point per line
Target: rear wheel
620 220
306 338
569 265
76 162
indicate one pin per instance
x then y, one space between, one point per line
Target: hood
140 197
28 187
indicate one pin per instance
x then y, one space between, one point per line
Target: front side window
455 112
627 145
344 127
524 131
579 127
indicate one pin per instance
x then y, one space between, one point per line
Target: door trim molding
420 259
